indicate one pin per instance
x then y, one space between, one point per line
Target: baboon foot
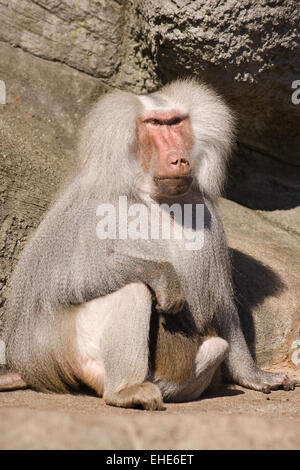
269 381
146 396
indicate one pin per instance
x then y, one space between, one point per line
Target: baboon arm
113 273
159 276
118 270
239 361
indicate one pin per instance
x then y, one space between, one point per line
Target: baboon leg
126 351
113 346
91 372
210 355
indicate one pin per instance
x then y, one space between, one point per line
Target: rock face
45 101
249 51
85 35
265 259
57 57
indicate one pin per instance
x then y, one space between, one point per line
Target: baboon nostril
181 161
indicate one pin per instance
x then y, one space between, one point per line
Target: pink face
164 143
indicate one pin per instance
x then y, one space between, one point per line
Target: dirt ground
235 419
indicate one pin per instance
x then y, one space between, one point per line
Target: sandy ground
235 419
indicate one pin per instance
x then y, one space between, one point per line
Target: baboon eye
175 121
167 122
155 122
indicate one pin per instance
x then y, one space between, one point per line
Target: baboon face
164 142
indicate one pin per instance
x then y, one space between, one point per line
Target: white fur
97 338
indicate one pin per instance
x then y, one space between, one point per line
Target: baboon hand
168 302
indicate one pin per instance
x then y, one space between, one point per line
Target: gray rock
85 35
249 50
45 102
265 259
